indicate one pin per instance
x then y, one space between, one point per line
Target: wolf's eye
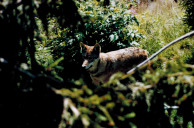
83 55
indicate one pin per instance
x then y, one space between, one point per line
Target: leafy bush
134 101
189 12
161 96
113 27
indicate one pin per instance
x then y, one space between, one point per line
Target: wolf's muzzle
87 65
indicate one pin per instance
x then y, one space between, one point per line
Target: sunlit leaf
130 115
56 62
85 120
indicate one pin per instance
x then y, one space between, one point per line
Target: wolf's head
89 54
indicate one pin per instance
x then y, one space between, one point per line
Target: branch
52 81
133 70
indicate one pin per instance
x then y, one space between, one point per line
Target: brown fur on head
89 53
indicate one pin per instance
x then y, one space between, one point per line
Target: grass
161 23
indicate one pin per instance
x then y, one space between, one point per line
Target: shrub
26 91
189 12
112 26
133 101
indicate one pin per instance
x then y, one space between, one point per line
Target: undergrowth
127 100
162 22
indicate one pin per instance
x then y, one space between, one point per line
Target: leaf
130 115
111 38
88 91
85 120
56 62
121 118
95 100
106 113
132 35
69 93
64 92
116 37
85 110
132 125
110 105
101 117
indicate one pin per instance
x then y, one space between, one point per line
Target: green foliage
114 27
26 95
43 55
189 12
126 100
140 99
162 23
111 26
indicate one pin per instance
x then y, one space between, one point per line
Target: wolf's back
124 59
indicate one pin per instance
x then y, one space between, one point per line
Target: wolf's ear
97 49
83 47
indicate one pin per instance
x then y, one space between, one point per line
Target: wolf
101 66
